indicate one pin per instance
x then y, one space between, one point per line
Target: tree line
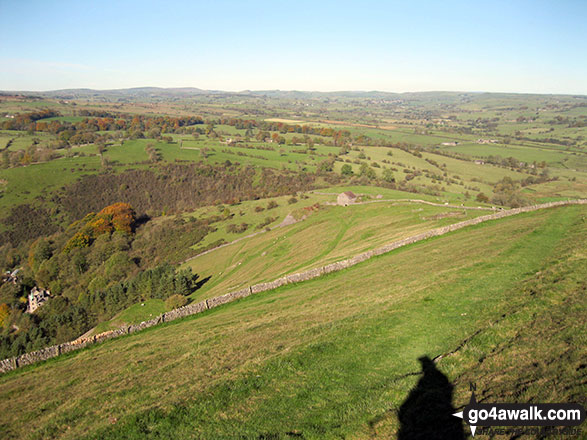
95 268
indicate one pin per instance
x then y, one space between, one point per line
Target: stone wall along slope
192 309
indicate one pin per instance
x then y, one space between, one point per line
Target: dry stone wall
192 309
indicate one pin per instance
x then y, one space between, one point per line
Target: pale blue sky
510 46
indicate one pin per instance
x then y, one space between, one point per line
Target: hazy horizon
287 91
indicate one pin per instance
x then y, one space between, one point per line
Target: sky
396 46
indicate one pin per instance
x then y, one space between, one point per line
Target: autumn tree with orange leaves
116 217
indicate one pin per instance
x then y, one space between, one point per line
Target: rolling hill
499 304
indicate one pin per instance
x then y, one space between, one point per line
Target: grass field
245 212
21 141
337 356
526 154
27 182
331 234
325 236
250 212
135 314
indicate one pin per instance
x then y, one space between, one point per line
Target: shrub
482 198
292 200
237 229
266 222
272 204
325 166
175 301
388 176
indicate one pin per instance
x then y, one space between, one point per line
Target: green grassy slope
331 234
134 314
334 357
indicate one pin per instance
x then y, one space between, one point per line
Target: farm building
37 298
11 277
346 198
487 141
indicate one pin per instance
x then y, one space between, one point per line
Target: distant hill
190 92
135 93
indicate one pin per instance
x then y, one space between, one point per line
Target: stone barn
346 198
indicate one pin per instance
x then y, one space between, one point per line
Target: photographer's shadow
427 413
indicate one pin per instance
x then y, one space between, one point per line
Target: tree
175 301
4 314
482 198
118 266
367 171
121 215
154 133
325 166
183 282
80 239
39 251
388 175
346 170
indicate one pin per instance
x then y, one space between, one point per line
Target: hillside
500 304
303 235
327 234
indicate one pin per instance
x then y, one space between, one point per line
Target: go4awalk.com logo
559 418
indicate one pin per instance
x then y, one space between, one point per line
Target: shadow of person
427 413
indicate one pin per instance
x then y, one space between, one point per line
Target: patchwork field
126 204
